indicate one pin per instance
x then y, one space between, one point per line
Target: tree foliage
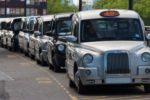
57 6
141 6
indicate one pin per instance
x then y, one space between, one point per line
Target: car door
21 34
51 42
20 38
70 51
34 28
38 39
31 43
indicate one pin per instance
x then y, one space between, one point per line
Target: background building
12 8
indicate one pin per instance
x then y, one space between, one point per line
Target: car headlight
61 47
146 56
87 59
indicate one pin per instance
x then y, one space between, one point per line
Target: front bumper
90 76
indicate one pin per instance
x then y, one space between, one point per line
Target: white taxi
108 47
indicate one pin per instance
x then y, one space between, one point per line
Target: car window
111 29
64 27
47 26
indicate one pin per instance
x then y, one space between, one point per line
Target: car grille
117 63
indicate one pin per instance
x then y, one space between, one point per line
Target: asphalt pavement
24 79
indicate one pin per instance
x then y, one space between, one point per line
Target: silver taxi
45 24
108 47
6 31
22 33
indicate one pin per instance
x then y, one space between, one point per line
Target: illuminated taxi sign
109 13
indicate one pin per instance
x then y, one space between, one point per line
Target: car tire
38 61
2 45
26 54
80 88
12 46
56 68
50 66
71 84
43 63
21 51
31 56
147 88
9 48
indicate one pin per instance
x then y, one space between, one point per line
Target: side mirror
148 36
71 38
37 33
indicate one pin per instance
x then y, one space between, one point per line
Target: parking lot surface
26 80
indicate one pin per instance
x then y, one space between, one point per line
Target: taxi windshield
111 29
47 26
17 25
32 25
64 27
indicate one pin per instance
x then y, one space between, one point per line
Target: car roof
63 15
94 14
5 19
47 17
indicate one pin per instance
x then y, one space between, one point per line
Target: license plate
118 80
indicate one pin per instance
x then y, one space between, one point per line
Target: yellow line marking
50 75
43 79
44 82
24 64
11 56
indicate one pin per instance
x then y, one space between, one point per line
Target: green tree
110 4
57 6
141 6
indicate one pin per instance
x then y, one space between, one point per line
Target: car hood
115 45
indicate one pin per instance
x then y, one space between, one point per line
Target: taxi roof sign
109 13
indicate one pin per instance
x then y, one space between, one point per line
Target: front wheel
38 61
80 88
147 88
56 68
43 63
71 83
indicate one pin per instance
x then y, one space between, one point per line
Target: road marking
11 56
24 63
44 82
50 75
43 79
74 97
7 76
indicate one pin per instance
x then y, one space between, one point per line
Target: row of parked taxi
36 35
97 47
